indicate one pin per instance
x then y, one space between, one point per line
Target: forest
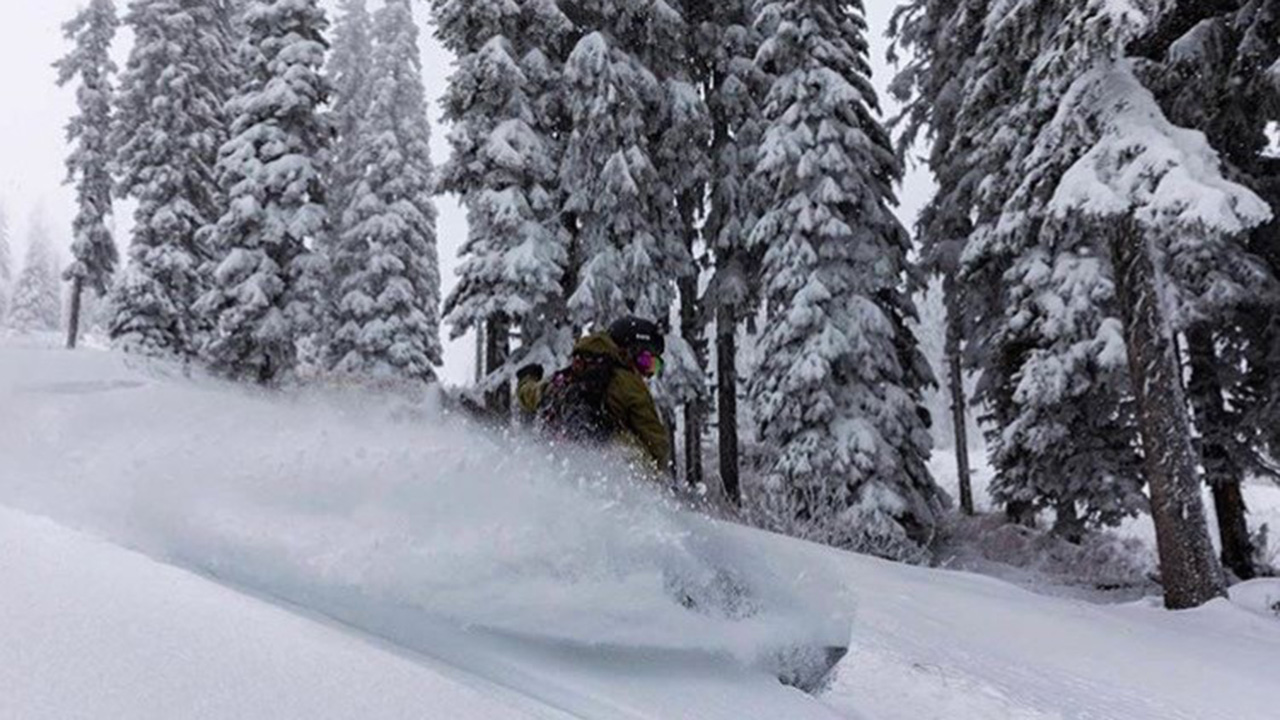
1104 235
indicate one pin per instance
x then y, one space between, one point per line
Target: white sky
33 111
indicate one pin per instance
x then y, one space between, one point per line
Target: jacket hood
601 344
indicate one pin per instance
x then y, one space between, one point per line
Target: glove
531 373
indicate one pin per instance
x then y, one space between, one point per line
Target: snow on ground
435 557
94 631
1136 536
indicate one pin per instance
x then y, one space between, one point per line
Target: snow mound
379 509
1259 596
93 631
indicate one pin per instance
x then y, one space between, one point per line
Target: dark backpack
573 404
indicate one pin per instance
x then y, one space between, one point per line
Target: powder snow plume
364 508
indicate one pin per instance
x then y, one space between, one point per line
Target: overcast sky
33 112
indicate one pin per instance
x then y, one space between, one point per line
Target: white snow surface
334 555
94 631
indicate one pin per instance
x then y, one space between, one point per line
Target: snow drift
389 514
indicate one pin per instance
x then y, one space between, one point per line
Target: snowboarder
602 397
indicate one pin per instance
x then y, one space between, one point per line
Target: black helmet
636 334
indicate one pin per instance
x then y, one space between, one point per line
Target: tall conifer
89 63
266 279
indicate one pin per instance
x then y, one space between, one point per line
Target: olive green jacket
627 399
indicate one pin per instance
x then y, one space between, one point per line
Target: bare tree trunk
1224 474
694 411
497 350
959 404
73 324
481 334
1189 569
1068 524
727 397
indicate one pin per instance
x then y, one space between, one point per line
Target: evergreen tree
92 31
1100 196
840 380
503 166
385 262
1211 73
625 256
169 124
6 268
37 302
942 37
1039 303
726 45
349 72
681 135
266 282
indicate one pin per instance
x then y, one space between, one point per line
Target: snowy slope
451 569
94 631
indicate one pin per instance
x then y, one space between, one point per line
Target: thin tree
88 167
943 40
735 87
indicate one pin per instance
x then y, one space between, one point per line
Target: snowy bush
989 544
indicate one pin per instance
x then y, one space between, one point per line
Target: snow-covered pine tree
503 166
1118 191
91 31
6 267
624 256
267 280
839 386
942 38
385 262
683 156
37 298
350 63
1212 75
1039 294
169 124
724 50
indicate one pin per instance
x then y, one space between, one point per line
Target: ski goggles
649 363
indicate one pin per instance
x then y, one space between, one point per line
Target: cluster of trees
715 166
282 204
30 300
718 167
1103 230
1106 232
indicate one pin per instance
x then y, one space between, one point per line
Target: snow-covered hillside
333 555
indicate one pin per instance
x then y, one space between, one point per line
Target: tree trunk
1223 473
497 349
1068 524
959 404
73 324
727 396
1021 512
1189 570
480 338
690 328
